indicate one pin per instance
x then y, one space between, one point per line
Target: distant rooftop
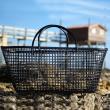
87 26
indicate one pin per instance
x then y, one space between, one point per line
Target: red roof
77 27
87 26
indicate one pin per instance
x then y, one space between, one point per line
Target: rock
75 102
1 106
40 99
80 109
40 107
98 102
106 101
89 102
6 87
68 108
47 103
9 106
108 85
24 107
30 108
74 98
10 99
59 107
58 99
74 106
48 108
25 100
103 92
48 97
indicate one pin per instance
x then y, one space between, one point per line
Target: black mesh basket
59 69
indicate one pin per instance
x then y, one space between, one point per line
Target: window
102 32
94 31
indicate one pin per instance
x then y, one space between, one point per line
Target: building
88 34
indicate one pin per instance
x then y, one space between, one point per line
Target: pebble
89 102
9 99
74 98
74 106
9 106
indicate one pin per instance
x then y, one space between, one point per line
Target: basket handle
65 30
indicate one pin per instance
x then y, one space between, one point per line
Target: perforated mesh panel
54 69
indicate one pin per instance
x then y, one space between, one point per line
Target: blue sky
37 13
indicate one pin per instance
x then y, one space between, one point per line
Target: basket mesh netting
67 69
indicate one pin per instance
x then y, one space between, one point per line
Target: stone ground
55 102
100 100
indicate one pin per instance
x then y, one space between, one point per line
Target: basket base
30 92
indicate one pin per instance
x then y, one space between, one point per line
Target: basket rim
86 48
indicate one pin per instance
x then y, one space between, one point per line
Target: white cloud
90 4
75 7
101 5
64 17
75 11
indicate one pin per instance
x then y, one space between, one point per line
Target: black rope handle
49 27
65 30
43 29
